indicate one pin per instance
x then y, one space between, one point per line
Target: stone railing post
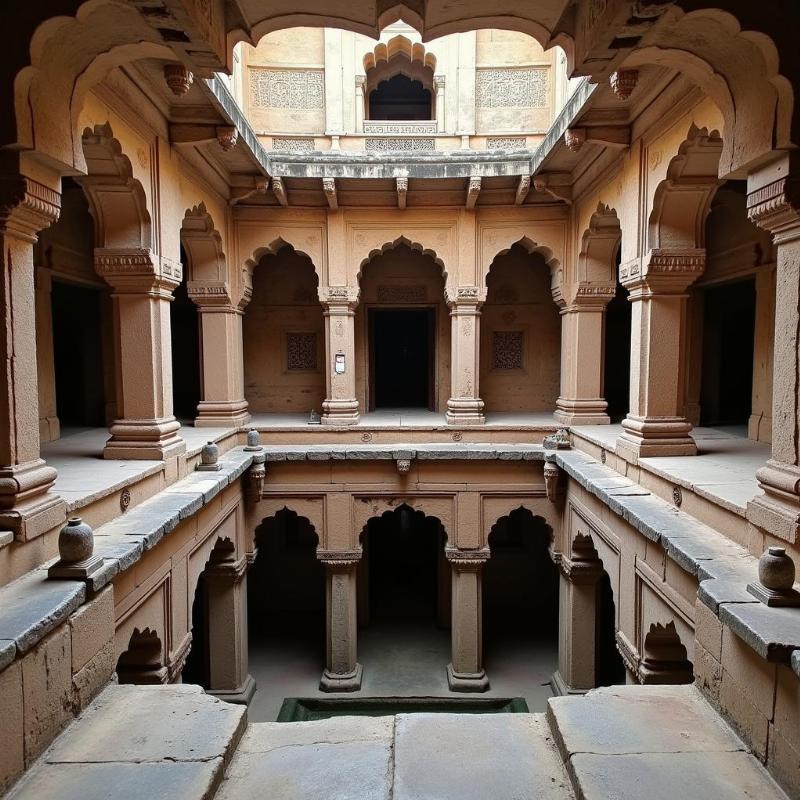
465 672
465 406
655 425
142 286
340 406
26 505
773 203
361 82
438 85
342 670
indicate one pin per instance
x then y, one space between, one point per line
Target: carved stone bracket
339 559
552 475
557 441
227 136
329 188
178 78
466 296
256 476
623 82
466 560
338 298
776 207
26 206
402 191
523 187
473 190
404 465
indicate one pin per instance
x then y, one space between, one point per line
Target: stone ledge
423 452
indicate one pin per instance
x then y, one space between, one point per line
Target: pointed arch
599 245
416 246
207 274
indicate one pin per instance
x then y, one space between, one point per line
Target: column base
341 682
778 509
466 681
211 414
465 411
647 437
27 506
340 412
150 439
561 688
582 412
241 696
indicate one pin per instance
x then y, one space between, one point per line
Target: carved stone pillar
49 426
438 85
223 403
773 203
361 81
655 425
581 400
342 670
580 573
465 406
142 286
759 426
465 672
26 505
229 679
340 406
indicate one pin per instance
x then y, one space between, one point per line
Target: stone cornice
776 207
467 560
136 268
664 270
344 298
339 559
27 206
473 296
209 293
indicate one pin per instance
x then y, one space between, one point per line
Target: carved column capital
582 565
663 270
338 299
465 299
136 269
467 560
26 206
775 206
339 560
214 294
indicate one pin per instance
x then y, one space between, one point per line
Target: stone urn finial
209 458
776 573
253 441
76 551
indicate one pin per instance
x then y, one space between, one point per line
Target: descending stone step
658 742
136 742
407 757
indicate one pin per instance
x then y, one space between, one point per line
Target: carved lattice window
301 352
508 349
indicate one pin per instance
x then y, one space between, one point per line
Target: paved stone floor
398 661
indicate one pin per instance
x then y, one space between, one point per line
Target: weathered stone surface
715 592
620 719
665 776
485 757
125 781
796 662
152 723
90 680
12 753
336 759
33 606
772 632
8 652
92 628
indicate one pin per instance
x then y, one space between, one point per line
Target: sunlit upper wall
309 89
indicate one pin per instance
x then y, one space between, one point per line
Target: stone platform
625 742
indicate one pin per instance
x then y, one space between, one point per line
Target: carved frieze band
464 560
302 89
339 559
776 206
516 87
27 205
338 295
136 262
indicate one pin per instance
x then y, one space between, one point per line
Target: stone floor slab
476 757
667 776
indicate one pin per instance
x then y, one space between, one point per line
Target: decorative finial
253 440
209 458
775 585
76 551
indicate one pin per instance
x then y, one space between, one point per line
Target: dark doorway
400 98
185 331
197 667
78 355
728 332
402 353
617 355
609 669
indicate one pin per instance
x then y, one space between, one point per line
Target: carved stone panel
402 294
287 88
301 352
519 87
508 350
505 142
381 145
284 144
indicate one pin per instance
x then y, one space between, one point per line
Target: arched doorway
285 612
520 607
404 609
609 668
186 363
617 351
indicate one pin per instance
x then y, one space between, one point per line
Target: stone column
581 400
229 679
26 505
580 573
773 203
465 406
361 82
655 425
222 404
438 85
340 406
342 670
759 426
465 672
142 290
49 426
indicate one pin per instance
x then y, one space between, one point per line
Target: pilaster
26 505
342 670
49 425
655 425
142 286
465 672
340 406
465 406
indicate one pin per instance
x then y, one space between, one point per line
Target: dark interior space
186 366
196 668
402 551
609 667
402 357
617 354
520 584
729 315
400 98
286 592
78 355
